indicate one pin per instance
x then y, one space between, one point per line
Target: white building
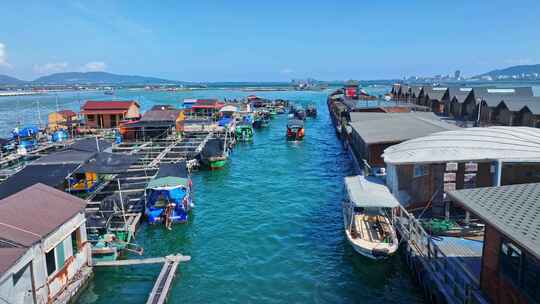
44 253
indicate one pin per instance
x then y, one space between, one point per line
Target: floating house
434 98
108 114
206 107
44 254
421 171
371 133
64 119
159 122
351 89
510 260
459 103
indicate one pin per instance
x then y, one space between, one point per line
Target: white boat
367 215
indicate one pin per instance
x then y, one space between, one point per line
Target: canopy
109 163
295 123
369 192
229 108
170 175
214 147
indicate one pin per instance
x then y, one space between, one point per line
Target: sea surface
266 229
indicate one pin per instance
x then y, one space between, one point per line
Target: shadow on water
266 229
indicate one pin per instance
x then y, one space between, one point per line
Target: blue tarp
224 121
59 136
175 195
25 132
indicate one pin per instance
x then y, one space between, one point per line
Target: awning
109 163
369 192
229 108
166 182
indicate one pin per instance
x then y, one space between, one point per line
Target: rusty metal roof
513 210
33 213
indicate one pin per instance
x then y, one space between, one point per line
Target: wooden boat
295 129
244 132
367 216
300 113
168 195
214 154
311 111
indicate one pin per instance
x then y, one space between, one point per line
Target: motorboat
295 129
368 217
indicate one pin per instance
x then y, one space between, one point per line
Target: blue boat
168 195
60 136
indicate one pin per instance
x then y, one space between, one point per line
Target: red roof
208 104
67 113
92 105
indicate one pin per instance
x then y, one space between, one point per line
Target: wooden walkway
159 293
163 284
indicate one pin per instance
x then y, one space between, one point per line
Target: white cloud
52 67
519 61
95 66
286 71
3 56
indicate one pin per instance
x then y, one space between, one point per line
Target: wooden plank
158 260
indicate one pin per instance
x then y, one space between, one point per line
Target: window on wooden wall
521 268
50 261
76 240
511 261
420 170
531 277
91 117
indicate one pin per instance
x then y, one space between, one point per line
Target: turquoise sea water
266 229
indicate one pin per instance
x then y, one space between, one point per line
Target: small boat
109 92
367 216
273 113
244 132
168 195
280 110
299 113
295 129
214 154
261 120
311 111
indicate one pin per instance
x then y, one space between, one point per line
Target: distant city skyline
268 41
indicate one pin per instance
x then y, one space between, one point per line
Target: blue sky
267 40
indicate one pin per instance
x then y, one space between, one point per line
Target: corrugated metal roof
397 127
459 93
435 93
161 115
469 144
33 213
513 210
516 104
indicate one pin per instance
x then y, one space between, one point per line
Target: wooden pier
163 283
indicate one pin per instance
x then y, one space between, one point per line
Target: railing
452 277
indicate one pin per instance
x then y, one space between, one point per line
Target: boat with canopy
168 195
295 129
367 215
214 154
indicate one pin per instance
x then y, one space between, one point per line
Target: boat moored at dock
367 215
214 154
168 195
244 132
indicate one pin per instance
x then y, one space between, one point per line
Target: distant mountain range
87 78
514 70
